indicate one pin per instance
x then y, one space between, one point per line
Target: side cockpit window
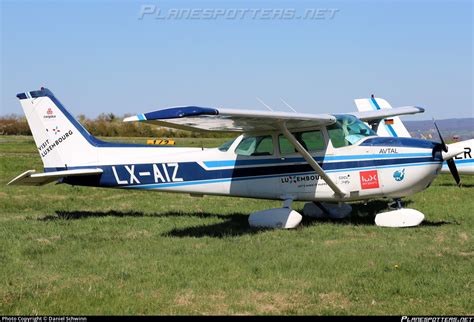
312 141
255 146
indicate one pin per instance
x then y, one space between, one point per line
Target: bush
107 125
14 125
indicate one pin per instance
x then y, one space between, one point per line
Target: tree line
109 125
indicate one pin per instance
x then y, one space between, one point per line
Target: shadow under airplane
236 224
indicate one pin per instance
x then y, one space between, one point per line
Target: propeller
450 162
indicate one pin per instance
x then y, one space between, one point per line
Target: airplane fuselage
372 168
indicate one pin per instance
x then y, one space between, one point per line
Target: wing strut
340 193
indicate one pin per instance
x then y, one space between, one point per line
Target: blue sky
97 56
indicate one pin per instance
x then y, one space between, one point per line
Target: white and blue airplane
394 127
325 159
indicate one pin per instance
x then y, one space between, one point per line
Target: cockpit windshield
348 130
224 147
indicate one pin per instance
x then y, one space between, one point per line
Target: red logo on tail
49 114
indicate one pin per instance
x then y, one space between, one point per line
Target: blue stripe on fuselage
129 174
232 163
197 182
461 163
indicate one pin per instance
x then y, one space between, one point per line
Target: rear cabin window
285 146
311 140
255 146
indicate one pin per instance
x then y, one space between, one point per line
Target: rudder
61 140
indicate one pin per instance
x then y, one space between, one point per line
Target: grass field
76 250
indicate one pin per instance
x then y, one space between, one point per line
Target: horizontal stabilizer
383 113
30 178
392 126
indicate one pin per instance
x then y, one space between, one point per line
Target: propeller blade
454 171
445 147
451 164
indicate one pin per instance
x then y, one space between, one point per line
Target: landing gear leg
396 204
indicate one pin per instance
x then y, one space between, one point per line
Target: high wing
231 120
30 178
195 118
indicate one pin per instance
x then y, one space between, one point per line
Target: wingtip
130 119
134 118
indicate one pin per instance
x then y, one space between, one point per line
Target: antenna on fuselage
264 104
281 99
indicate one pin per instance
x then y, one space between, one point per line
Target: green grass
77 250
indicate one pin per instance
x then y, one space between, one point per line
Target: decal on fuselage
301 178
160 172
47 147
465 155
399 175
302 181
369 179
344 179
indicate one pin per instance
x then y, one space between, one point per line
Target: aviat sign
388 151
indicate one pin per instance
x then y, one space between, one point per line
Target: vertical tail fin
61 140
388 127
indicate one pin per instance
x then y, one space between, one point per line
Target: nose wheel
399 216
